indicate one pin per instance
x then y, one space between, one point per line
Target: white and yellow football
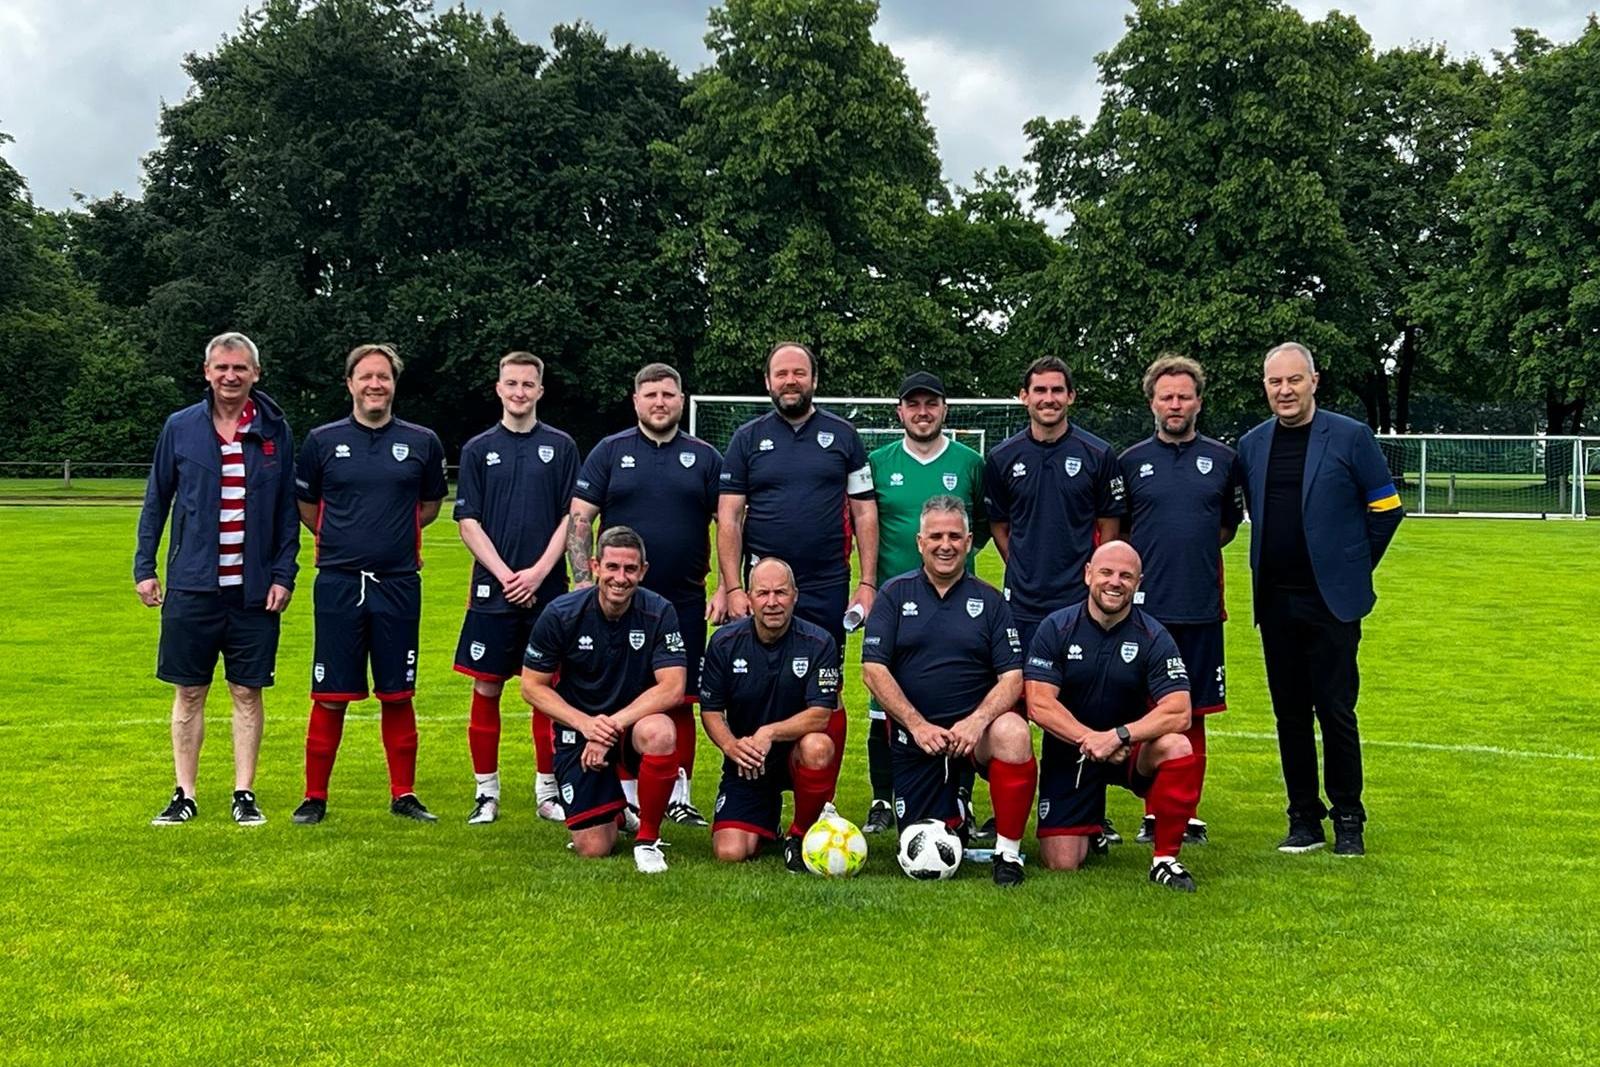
834 847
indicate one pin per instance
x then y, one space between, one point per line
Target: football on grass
834 847
929 852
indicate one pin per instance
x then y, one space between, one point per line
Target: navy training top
755 684
604 665
1107 678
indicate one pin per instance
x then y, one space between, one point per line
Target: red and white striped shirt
230 524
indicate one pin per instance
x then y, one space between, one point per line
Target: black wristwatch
1123 736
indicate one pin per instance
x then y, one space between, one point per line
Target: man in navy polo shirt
1185 501
944 659
662 483
367 485
224 471
511 510
1106 683
606 663
768 688
796 485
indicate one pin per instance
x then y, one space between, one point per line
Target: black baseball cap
921 381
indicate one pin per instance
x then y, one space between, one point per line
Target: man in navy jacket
224 470
1324 509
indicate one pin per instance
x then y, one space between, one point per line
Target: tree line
351 170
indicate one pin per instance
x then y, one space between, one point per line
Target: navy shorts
197 627
492 644
754 804
591 798
824 604
925 786
1072 803
362 620
692 624
1200 645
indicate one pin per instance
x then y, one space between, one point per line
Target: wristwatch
1124 736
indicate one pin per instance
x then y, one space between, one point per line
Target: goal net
978 424
1490 476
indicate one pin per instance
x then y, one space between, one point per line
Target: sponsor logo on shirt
1075 652
582 483
1117 487
897 479
1006 592
627 463
1041 663
483 592
800 664
825 439
871 640
674 641
636 639
569 737
1202 464
1130 649
725 476
477 650
492 459
341 451
741 666
1073 465
765 445
1146 470
1019 469
1175 667
949 482
974 607
546 453
908 609
585 643
1013 639
828 678
686 459
399 451
1138 598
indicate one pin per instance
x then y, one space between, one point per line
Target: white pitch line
68 724
1431 746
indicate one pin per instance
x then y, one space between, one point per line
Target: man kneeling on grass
768 687
606 662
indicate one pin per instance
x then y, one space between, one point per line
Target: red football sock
836 729
544 743
483 733
1011 789
813 787
1172 799
322 745
399 722
657 775
683 720
1196 734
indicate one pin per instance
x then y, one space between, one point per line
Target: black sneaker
793 861
179 810
685 814
311 811
880 817
1007 870
1147 830
1195 833
1304 836
1347 836
984 834
245 812
409 807
1171 873
1099 846
1109 832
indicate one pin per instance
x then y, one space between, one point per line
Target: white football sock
545 788
630 791
680 789
489 785
1007 846
1156 861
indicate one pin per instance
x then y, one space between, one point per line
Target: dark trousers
1312 674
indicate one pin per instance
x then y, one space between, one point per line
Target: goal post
978 423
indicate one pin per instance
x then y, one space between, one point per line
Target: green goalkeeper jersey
904 482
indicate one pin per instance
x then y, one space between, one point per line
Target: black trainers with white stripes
880 817
793 859
409 807
685 814
179 810
1109 832
1171 873
245 811
1147 830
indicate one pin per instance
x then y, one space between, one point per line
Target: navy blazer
186 480
1348 503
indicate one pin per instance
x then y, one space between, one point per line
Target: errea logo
1075 652
492 459
741 666
586 643
341 451
908 609
897 479
1146 470
765 445
1019 469
627 463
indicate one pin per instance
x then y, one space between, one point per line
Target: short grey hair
788 571
1291 346
946 504
238 342
625 537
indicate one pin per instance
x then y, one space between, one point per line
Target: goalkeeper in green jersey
922 463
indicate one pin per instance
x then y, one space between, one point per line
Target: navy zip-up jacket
186 480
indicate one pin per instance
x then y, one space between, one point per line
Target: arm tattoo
578 535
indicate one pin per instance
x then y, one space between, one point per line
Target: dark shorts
361 621
197 627
1200 645
1074 805
692 624
925 786
492 644
824 605
754 804
1026 628
591 798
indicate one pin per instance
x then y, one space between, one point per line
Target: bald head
1112 575
771 570
1117 554
772 597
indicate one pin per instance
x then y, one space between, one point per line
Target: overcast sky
81 82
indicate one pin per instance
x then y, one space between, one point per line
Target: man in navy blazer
1323 508
224 471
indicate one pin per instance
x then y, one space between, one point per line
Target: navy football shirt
795 481
668 494
1180 497
369 485
755 684
604 665
1051 494
1107 678
517 486
945 652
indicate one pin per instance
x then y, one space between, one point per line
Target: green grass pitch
1468 934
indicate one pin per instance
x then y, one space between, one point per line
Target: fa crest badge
546 453
949 482
636 639
1073 465
825 439
400 452
799 665
1202 464
1129 650
974 607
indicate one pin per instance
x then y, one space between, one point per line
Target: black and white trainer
1347 836
1305 835
684 813
880 817
1007 869
485 809
794 860
1147 831
407 806
245 811
1173 875
311 811
984 834
1109 832
1196 833
179 810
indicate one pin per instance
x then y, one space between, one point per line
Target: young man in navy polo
367 485
662 483
944 660
796 485
511 509
606 663
1185 501
768 688
1105 682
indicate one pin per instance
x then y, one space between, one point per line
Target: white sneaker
550 808
486 810
648 858
630 821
